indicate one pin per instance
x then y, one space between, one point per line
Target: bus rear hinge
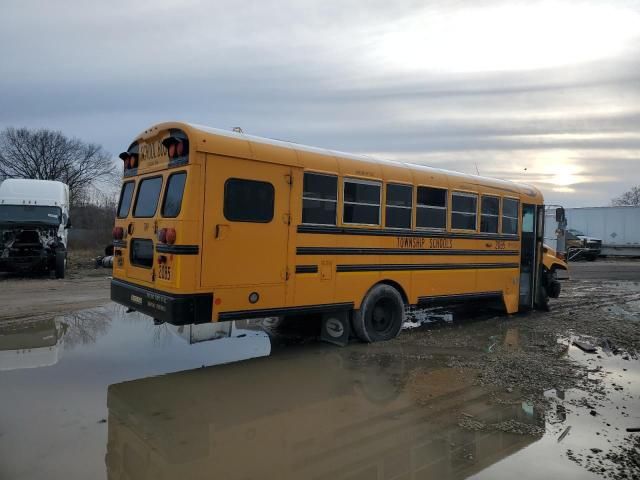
286 218
288 178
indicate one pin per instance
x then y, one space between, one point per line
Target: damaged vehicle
34 218
580 245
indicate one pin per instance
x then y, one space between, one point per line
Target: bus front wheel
380 316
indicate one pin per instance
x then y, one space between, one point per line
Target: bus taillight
167 235
171 236
118 233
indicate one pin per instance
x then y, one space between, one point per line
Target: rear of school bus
157 232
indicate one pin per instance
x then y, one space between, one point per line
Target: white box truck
617 227
34 218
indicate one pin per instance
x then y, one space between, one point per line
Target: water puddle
104 394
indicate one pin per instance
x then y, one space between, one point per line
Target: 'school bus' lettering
150 151
188 227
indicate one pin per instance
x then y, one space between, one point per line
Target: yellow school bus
215 225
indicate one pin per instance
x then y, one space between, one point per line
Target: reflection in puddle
30 343
318 412
437 403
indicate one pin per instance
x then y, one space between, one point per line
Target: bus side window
319 199
248 200
431 211
398 206
464 208
361 201
510 216
490 212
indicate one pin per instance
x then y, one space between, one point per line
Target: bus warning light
162 235
171 236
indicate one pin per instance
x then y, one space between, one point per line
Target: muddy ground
86 391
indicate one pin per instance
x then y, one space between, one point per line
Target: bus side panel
432 283
244 258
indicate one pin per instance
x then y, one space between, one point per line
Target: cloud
364 76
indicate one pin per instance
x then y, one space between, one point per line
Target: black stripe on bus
391 232
306 268
178 249
120 244
275 312
398 251
434 266
458 297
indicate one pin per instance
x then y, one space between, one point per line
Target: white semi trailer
618 227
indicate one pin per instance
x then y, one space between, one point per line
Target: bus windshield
33 214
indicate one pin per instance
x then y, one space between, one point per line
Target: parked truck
34 218
616 228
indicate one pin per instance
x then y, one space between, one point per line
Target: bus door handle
221 231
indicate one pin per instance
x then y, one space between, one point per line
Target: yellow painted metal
551 260
236 259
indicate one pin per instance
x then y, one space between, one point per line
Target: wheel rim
383 316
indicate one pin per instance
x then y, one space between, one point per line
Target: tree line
50 155
90 172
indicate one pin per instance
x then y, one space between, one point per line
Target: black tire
61 260
552 285
554 289
380 316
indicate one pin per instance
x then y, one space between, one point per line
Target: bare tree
50 155
632 197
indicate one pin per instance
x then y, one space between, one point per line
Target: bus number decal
500 245
165 272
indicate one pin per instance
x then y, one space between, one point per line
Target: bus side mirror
559 214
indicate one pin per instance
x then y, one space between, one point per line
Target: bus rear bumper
171 308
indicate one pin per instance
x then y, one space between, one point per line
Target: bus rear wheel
380 316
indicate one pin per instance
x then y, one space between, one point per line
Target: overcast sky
542 92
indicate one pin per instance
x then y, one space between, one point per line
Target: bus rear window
173 195
147 198
125 199
142 252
